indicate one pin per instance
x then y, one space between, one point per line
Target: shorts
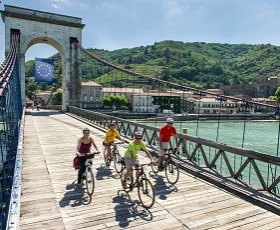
131 161
162 151
107 144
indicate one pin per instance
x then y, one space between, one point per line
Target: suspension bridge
220 187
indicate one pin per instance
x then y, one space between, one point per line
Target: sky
117 24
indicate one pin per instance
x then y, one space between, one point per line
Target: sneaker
108 162
124 185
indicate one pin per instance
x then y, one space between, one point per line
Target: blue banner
44 70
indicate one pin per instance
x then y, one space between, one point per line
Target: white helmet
170 120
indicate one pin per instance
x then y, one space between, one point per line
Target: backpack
76 163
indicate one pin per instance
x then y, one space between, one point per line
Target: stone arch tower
53 29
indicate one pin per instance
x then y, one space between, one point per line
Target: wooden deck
51 200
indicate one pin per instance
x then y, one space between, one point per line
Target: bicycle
115 156
88 174
171 168
146 191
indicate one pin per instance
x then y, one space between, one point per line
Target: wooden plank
51 200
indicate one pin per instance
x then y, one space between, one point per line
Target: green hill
199 65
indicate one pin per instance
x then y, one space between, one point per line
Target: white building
213 106
143 103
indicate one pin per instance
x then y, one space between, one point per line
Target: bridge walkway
51 200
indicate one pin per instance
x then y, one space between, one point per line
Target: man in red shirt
165 134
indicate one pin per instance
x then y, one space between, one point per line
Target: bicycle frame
139 177
169 166
89 174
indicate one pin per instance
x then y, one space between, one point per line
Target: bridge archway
58 31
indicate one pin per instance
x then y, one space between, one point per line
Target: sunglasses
86 132
138 138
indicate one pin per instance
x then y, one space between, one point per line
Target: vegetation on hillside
198 65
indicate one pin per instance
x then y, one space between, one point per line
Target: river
261 136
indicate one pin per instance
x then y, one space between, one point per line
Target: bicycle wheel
129 182
172 172
89 181
146 193
117 162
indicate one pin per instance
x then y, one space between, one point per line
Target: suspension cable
162 81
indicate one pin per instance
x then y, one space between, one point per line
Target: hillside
202 65
199 65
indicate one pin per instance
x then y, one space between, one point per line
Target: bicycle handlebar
173 150
142 165
118 143
115 143
90 155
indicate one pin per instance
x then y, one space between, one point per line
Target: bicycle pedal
146 191
140 184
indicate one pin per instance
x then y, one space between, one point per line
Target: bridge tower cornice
41 16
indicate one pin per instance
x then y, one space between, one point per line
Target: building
91 95
258 107
262 89
127 92
43 98
209 105
143 103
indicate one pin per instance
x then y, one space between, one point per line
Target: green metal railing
258 170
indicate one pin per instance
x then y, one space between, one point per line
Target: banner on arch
44 70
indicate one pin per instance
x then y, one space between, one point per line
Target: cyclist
83 147
131 156
110 137
165 133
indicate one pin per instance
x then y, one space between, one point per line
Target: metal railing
11 111
257 170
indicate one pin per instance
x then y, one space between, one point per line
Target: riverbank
188 117
214 117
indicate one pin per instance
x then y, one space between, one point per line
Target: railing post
184 143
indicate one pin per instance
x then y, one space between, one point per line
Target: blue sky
116 24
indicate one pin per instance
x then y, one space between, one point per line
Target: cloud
54 6
172 9
60 3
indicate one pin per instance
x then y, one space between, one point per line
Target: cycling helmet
138 135
86 130
170 120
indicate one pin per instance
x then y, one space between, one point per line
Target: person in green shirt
131 156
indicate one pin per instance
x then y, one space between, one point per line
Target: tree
115 101
277 94
57 98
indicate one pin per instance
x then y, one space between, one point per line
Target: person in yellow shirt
110 137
